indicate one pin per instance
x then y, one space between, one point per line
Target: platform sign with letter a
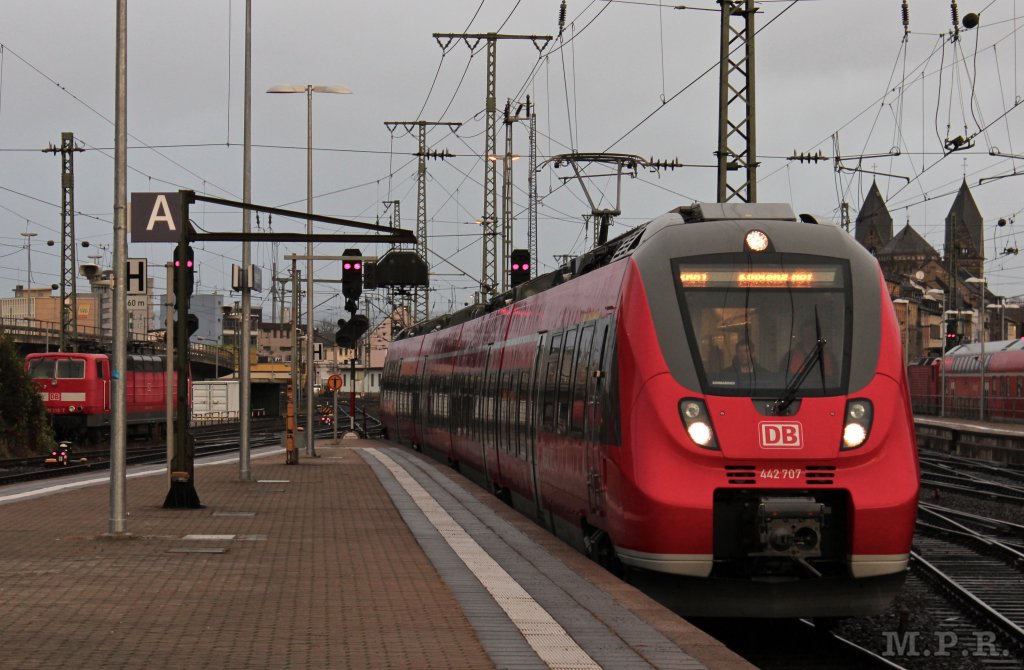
153 217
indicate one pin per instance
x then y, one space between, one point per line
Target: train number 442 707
780 473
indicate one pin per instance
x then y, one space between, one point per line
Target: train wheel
503 494
599 548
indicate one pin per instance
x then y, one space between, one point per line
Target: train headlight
698 423
857 423
756 240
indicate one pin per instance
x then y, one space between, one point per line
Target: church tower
873 228
965 242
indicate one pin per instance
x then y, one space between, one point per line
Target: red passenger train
714 403
1004 382
76 391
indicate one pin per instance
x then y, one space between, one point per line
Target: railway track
790 644
209 440
971 477
984 600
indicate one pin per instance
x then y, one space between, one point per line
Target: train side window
518 415
608 416
580 378
504 443
99 369
491 410
565 381
1020 386
551 383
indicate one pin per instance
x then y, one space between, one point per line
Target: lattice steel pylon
69 262
489 220
420 302
737 146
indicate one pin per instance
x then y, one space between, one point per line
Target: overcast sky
626 77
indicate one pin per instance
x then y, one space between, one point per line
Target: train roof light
756 240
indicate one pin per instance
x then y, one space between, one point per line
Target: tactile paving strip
588 618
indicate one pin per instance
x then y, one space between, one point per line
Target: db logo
781 435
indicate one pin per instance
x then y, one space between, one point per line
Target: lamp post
309 90
937 295
981 319
28 238
906 328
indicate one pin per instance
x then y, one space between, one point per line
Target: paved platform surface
368 556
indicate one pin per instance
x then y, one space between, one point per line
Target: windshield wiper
817 355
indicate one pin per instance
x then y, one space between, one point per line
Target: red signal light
515 266
357 265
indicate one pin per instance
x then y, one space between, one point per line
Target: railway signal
520 267
352 275
952 337
188 258
184 255
350 331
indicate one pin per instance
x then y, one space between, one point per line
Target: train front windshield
56 368
757 325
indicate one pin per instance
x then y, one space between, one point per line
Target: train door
484 414
492 429
103 379
535 391
597 336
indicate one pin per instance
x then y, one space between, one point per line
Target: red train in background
1004 382
76 391
714 403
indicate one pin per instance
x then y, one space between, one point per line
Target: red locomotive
76 391
714 403
1004 382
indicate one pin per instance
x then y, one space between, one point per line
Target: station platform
367 556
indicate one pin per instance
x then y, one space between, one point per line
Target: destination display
796 278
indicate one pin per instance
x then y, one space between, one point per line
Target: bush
24 424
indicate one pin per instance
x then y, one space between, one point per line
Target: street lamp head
307 88
344 90
287 88
975 280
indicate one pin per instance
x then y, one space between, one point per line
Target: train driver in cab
745 369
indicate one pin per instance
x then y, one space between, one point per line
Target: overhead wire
95 111
694 81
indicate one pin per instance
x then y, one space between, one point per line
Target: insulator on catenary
906 17
561 18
